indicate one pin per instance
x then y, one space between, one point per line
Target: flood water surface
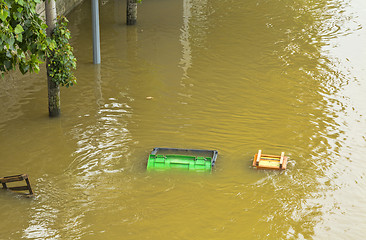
232 76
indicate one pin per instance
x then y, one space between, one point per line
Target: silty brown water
235 76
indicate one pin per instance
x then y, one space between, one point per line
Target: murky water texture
235 76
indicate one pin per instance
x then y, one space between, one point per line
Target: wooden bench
265 161
17 178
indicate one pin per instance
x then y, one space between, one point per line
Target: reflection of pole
186 59
98 90
96 37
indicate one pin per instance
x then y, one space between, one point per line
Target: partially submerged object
266 161
185 159
17 178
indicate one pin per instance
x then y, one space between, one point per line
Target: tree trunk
131 12
54 109
54 102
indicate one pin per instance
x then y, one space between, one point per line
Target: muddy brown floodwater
235 76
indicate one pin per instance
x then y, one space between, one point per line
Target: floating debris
265 161
183 159
17 178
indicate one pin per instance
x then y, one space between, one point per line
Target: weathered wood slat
29 186
259 156
281 160
21 188
14 178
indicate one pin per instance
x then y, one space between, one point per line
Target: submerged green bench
184 159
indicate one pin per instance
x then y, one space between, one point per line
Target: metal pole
96 37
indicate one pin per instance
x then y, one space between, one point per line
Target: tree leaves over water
60 55
24 43
22 36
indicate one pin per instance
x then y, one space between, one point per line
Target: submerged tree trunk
54 102
131 12
53 88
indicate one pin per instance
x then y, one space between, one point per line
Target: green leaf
36 68
3 14
8 54
19 37
11 41
18 29
23 68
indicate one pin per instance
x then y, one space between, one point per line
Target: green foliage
24 43
22 36
60 54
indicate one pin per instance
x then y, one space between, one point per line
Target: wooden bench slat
13 178
21 188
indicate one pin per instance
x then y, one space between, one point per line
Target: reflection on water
227 75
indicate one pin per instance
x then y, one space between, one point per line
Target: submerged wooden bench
17 178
